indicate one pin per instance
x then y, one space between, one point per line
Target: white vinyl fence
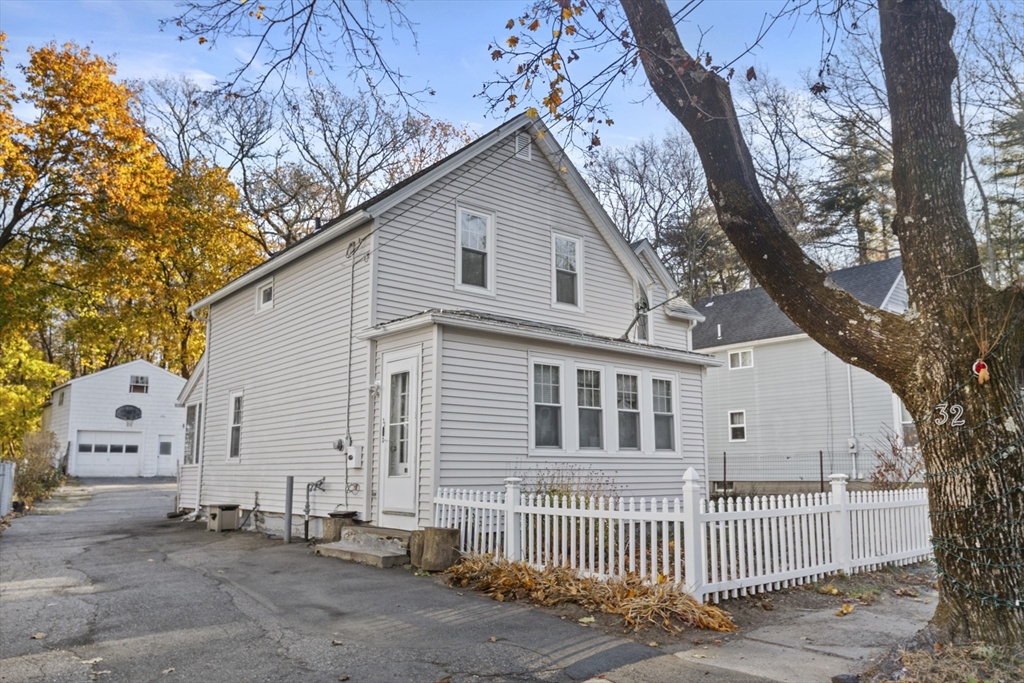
717 549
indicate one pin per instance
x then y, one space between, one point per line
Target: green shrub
35 473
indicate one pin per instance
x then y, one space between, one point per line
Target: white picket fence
717 549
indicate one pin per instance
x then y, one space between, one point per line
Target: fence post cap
838 478
691 475
512 481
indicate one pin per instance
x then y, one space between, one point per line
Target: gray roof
751 315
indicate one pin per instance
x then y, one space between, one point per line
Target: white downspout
201 455
853 429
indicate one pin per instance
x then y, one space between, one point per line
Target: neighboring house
87 415
779 398
460 328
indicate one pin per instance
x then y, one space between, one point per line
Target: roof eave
511 329
273 264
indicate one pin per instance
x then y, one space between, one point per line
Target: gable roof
751 315
382 202
118 367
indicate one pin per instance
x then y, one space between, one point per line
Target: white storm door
399 440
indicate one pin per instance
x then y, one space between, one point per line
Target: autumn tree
975 472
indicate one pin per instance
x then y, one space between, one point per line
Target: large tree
975 471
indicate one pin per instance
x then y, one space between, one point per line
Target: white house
473 322
780 399
119 422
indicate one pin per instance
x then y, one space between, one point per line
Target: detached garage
119 422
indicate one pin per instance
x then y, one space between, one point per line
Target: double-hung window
547 401
566 270
265 296
235 422
193 417
475 261
588 391
664 415
627 399
737 425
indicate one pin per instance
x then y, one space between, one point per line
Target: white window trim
639 374
231 416
260 305
492 248
740 352
605 428
676 423
523 147
580 303
562 395
729 425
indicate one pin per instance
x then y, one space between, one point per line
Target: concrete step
364 554
372 545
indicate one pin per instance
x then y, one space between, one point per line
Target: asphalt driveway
115 591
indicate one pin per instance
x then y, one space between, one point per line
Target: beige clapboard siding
797 402
416 262
424 340
291 363
479 450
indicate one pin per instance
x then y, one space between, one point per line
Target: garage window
138 385
131 448
85 448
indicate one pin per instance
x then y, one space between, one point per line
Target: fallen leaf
92 661
492 639
337 642
906 591
38 636
149 560
698 656
343 677
586 620
653 643
847 608
167 671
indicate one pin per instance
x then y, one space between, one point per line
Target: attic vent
523 146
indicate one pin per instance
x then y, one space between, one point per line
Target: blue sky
452 56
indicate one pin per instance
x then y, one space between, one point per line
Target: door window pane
398 425
165 448
547 399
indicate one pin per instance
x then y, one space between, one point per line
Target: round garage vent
128 413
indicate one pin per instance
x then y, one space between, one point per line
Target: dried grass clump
639 603
959 664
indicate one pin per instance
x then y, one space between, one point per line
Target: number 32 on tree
956 411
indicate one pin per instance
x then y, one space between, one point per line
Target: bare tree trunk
975 469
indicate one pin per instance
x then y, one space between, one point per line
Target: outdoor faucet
319 486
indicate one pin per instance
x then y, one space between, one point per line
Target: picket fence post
842 543
695 565
513 491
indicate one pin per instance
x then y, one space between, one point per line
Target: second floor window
567 252
138 385
475 247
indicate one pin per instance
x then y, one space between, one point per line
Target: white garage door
108 454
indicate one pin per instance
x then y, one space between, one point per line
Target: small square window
738 425
138 385
165 448
265 296
741 359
